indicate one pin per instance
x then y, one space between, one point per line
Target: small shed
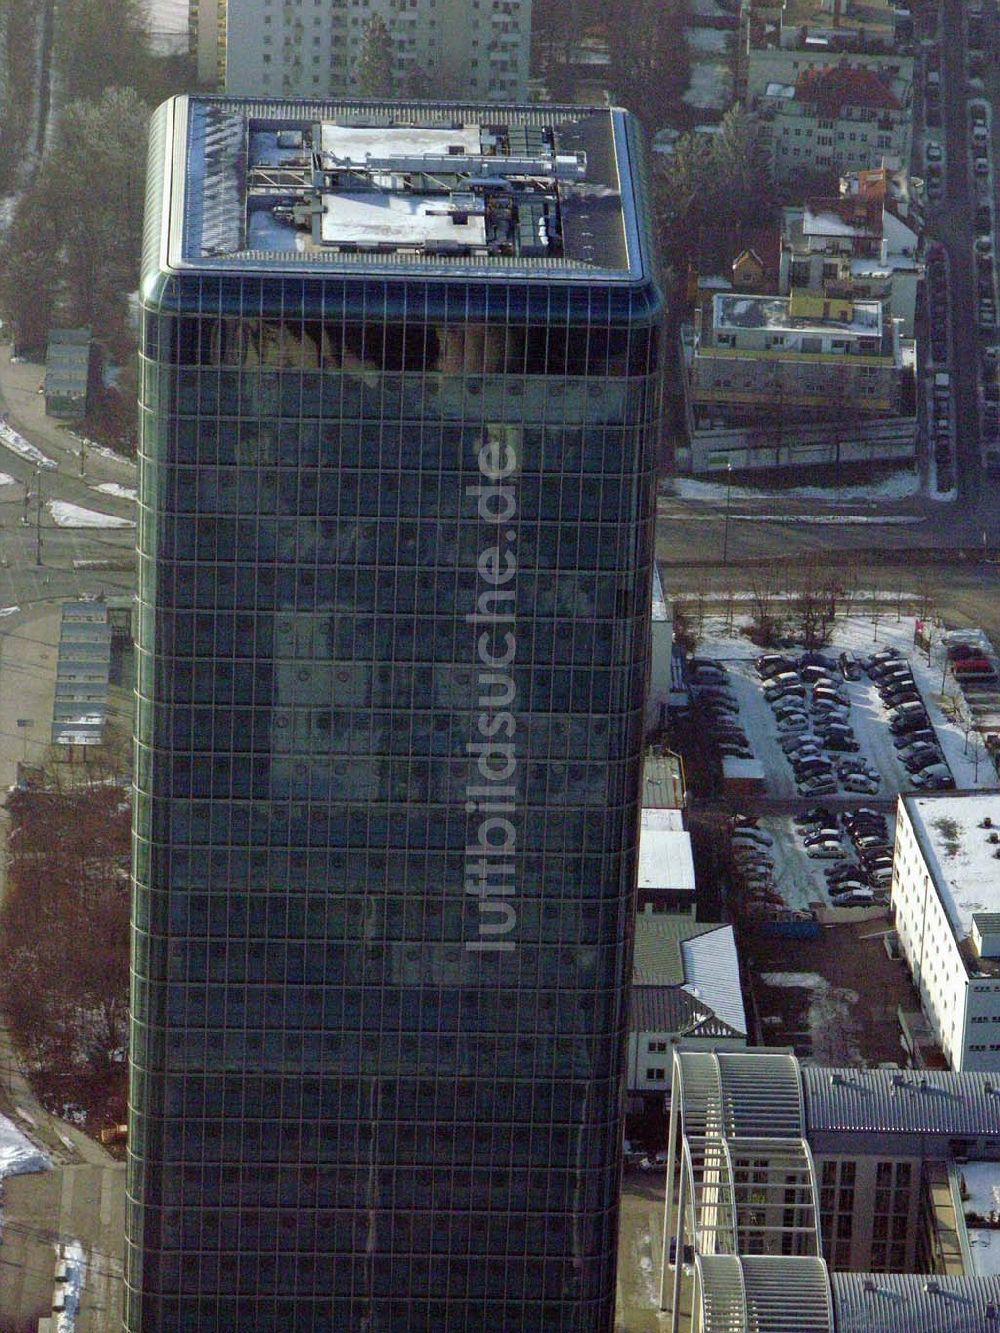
742 777
68 373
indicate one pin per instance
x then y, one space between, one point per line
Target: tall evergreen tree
373 72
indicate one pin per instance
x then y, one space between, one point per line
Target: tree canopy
374 69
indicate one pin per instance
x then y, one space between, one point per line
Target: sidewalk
26 411
83 1196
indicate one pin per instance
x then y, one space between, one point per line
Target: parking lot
837 735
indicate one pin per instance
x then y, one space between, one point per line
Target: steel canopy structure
747 1187
733 1293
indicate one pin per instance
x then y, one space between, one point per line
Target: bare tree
766 623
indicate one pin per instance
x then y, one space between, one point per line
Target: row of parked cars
914 738
849 883
753 859
811 709
720 709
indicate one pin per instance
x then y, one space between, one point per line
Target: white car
860 782
793 722
933 151
826 851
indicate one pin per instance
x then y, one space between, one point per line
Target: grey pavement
82 1196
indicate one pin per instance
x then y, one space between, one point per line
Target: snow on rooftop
350 143
397 219
774 312
665 860
660 609
666 818
961 859
828 222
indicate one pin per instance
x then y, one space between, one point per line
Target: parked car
758 835
793 722
850 667
826 851
904 742
841 745
815 813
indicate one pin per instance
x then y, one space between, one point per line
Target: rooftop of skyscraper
543 191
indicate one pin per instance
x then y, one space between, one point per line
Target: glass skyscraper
399 434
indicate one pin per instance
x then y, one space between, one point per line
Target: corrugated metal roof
914 1303
712 975
888 1101
657 960
663 1009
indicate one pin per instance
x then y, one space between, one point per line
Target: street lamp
725 526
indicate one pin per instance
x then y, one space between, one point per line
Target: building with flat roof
399 368
946 903
809 1198
799 357
440 48
666 864
863 244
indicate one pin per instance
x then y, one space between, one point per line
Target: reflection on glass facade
395 550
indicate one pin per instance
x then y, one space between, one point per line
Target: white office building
303 48
946 898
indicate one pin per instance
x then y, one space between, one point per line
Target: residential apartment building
946 903
396 516
466 49
801 355
829 1199
832 119
781 43
864 244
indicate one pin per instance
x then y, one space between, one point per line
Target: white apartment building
779 40
835 118
310 48
946 899
863 244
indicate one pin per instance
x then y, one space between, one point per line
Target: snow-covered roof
665 860
960 858
666 818
399 219
712 975
660 609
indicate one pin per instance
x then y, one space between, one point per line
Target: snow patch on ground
710 40
66 515
76 1271
830 1016
17 444
897 486
17 1154
113 488
711 85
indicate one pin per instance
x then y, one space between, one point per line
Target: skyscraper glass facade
395 550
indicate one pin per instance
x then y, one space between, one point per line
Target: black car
815 814
841 745
915 762
927 734
902 726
